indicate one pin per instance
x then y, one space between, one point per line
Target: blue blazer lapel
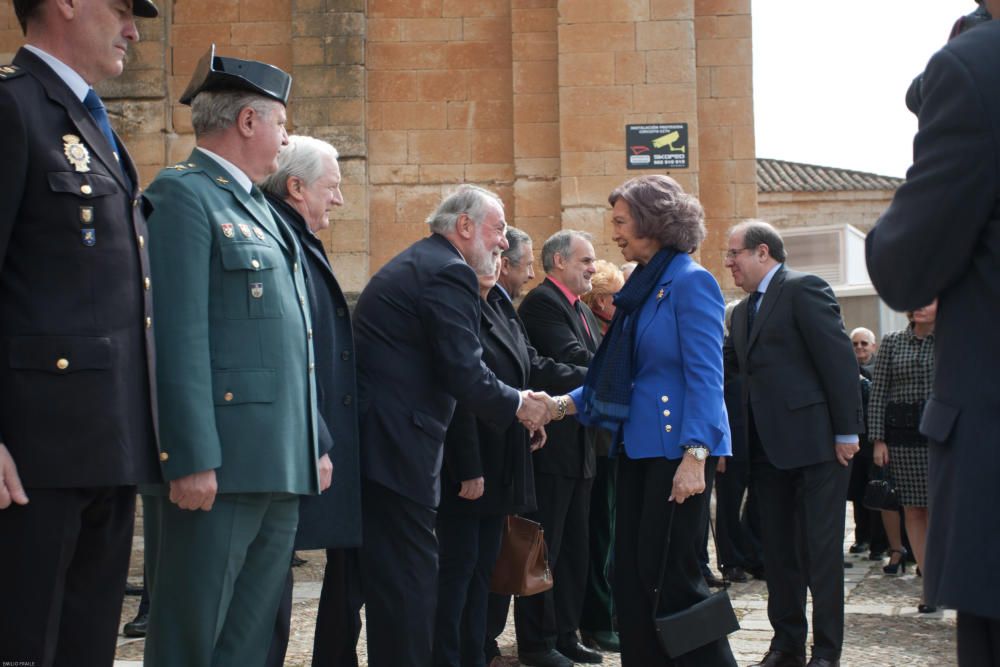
662 291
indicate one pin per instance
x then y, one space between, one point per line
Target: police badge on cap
223 73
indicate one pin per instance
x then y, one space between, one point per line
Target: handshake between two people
538 409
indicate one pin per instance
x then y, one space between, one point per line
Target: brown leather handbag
523 565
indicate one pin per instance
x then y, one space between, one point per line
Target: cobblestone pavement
883 627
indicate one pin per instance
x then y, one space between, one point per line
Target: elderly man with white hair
303 191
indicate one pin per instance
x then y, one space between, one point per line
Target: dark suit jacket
556 331
941 238
76 356
474 448
799 373
333 518
416 329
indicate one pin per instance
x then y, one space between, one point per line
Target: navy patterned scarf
608 387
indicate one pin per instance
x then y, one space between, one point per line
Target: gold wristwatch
699 452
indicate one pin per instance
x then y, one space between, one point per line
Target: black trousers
737 525
338 620
802 531
598 605
63 563
641 525
551 618
978 641
399 568
468 549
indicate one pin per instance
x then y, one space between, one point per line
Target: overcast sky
830 77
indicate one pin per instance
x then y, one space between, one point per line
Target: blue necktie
96 108
752 309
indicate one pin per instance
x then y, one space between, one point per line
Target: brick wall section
728 185
439 110
537 166
328 102
620 62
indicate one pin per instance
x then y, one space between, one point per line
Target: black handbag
880 493
702 623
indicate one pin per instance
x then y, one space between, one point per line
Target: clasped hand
534 412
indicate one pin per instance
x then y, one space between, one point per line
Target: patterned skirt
908 469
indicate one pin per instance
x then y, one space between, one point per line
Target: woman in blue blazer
657 382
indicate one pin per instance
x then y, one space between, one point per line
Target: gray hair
560 244
216 110
757 232
471 200
662 211
301 158
868 333
727 318
518 240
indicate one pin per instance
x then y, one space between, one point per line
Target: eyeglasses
733 254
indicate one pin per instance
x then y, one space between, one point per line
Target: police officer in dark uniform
77 423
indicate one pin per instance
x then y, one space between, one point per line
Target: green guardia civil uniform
236 395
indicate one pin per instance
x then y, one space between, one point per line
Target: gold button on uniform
668 428
62 364
310 334
149 322
147 283
302 300
228 396
664 399
164 456
312 367
86 189
254 263
142 242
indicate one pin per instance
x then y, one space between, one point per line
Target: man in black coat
802 410
416 328
302 191
562 327
945 220
77 420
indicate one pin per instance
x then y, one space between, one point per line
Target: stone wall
860 208
529 98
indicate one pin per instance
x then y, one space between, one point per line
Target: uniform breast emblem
227 230
256 290
89 236
76 153
259 233
245 230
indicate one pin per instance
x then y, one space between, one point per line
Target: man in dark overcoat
301 192
945 221
77 419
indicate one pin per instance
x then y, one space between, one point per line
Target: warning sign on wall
656 146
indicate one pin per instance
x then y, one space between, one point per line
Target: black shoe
131 589
137 626
603 640
876 555
848 565
713 581
858 547
822 662
736 574
895 565
547 658
781 659
926 608
577 652
757 573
